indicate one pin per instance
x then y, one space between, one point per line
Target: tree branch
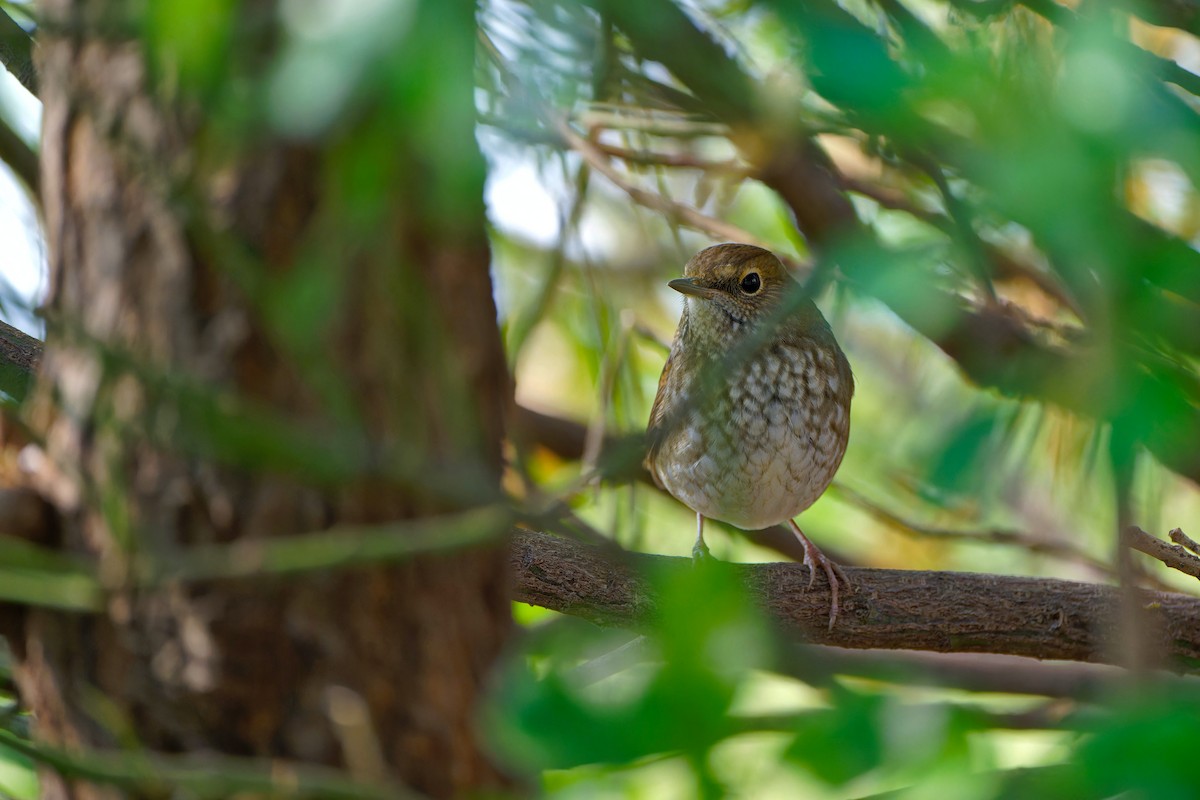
1181 538
19 357
595 158
1182 14
942 612
889 609
972 672
1174 556
673 160
621 463
16 52
19 349
20 157
145 774
818 664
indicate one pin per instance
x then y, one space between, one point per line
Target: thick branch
19 349
942 612
19 357
889 609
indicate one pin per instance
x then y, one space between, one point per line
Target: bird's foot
814 559
700 554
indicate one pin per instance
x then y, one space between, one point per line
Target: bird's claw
814 558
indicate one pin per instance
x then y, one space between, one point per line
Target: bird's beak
689 286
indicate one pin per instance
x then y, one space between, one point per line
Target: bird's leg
700 549
814 557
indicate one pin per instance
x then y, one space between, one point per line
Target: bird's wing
661 413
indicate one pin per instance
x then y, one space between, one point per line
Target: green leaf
1147 750
843 742
191 40
708 639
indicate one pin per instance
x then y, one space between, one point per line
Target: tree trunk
242 346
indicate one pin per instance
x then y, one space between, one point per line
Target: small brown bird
752 414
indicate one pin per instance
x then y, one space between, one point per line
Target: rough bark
156 332
19 356
893 609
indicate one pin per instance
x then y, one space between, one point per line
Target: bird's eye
751 283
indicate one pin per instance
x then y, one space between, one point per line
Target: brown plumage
752 414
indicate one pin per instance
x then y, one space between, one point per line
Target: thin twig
971 672
687 215
609 370
1031 542
962 226
1046 716
1002 263
674 160
1179 537
209 776
1174 556
817 665
649 122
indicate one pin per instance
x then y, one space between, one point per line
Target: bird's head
736 286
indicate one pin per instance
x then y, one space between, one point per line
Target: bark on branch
19 358
888 609
1174 556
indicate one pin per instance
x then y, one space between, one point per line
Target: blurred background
997 205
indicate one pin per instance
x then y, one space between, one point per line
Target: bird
752 414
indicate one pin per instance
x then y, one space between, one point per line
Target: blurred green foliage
17 777
678 704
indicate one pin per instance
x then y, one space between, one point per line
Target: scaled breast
766 446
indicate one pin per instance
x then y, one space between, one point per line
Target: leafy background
1016 285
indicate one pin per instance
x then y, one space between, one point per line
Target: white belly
765 480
